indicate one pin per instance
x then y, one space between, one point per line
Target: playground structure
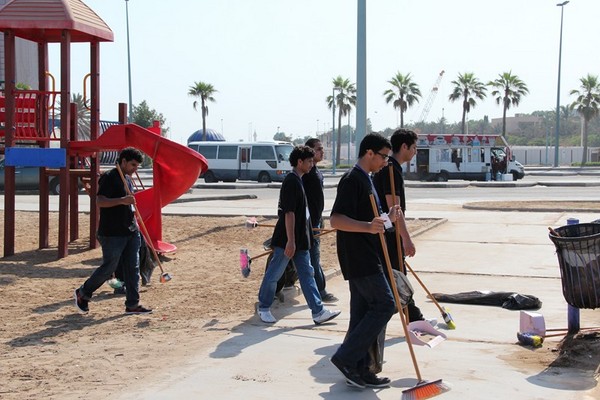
25 135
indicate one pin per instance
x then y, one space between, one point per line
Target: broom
253 223
423 389
164 277
447 317
245 260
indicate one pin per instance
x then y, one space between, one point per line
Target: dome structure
211 136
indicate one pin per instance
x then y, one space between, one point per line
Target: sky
273 61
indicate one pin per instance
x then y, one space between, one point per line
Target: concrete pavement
473 250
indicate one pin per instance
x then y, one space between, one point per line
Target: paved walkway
473 250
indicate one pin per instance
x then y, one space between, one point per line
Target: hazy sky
272 61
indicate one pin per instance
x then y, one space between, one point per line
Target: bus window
209 152
445 155
263 153
228 152
283 152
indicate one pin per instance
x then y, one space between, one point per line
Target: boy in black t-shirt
292 237
404 148
359 252
118 235
313 187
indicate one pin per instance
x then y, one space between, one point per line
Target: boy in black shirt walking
292 238
359 252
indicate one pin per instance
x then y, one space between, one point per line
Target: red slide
175 168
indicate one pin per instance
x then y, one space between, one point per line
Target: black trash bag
518 301
405 289
508 300
146 263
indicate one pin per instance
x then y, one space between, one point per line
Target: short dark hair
312 142
373 141
131 153
300 153
403 136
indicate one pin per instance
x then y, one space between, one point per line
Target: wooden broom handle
388 265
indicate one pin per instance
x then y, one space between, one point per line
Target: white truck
468 157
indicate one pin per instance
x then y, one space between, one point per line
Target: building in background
27 60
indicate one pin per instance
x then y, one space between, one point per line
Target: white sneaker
267 317
432 321
325 315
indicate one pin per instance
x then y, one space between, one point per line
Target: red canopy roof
43 21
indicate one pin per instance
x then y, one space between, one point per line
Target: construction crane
431 97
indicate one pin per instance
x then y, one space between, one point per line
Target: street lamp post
349 112
562 8
128 58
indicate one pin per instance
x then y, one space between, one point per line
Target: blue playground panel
35 157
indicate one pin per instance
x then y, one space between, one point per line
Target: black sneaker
120 290
352 376
80 302
373 381
328 298
137 310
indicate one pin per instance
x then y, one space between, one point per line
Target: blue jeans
266 293
371 307
115 248
315 261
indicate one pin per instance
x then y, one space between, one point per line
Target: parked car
28 178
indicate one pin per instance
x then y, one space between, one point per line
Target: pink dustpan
422 333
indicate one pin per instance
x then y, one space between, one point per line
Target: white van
469 157
255 161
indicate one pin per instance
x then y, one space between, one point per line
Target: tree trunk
504 108
464 116
339 138
585 142
401 119
203 121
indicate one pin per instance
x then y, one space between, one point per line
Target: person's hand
290 249
409 247
377 225
128 200
394 213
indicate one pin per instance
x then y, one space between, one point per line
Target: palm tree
467 88
404 94
83 116
344 100
587 105
205 91
508 90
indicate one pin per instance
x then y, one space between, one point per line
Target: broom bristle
425 390
244 263
448 319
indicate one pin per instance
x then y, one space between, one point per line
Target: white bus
256 161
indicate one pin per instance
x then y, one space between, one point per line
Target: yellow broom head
425 390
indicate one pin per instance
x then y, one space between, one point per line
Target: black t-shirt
359 254
293 199
381 180
118 220
313 186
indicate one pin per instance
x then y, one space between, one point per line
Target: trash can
578 252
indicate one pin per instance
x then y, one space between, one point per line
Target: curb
209 198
